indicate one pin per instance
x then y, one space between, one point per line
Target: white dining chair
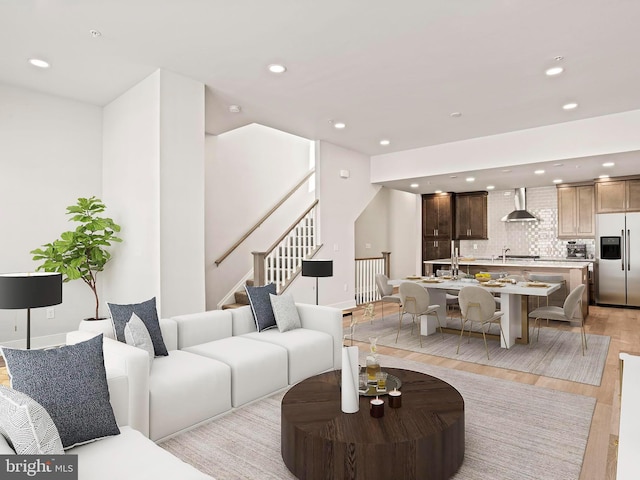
567 313
416 302
386 293
479 306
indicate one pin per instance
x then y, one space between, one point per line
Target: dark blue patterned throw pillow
147 312
261 306
70 382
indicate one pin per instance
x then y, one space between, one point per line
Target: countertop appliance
576 250
618 251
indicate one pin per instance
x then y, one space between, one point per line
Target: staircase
241 298
282 262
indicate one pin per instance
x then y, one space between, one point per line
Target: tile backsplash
523 238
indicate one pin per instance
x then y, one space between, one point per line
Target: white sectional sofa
217 361
128 455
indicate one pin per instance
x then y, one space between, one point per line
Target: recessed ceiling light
608 164
470 179
506 170
453 176
234 108
557 180
456 114
438 191
554 71
277 68
603 176
539 172
490 187
414 185
95 33
570 106
507 193
339 125
37 62
384 142
558 164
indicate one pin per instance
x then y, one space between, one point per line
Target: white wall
154 181
341 203
405 227
248 171
581 138
372 227
50 154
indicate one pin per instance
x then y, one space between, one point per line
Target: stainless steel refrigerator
618 252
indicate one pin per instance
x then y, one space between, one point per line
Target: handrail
291 227
264 218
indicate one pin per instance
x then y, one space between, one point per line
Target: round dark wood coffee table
423 439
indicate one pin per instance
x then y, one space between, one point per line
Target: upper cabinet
618 196
576 217
471 216
436 215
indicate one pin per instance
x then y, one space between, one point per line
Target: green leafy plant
81 253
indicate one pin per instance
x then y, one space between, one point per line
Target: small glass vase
373 365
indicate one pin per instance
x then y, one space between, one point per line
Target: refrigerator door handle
623 250
628 250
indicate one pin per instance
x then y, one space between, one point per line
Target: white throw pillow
285 311
26 425
137 335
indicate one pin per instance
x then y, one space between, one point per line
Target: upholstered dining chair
416 302
451 295
479 306
567 313
386 293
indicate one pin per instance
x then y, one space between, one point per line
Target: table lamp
317 269
30 290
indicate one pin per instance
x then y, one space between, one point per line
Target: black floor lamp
30 290
317 269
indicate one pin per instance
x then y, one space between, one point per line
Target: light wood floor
622 325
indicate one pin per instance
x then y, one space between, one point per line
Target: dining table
513 303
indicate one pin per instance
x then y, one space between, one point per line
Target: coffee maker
576 250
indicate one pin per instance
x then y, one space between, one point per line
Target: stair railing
282 262
366 271
264 218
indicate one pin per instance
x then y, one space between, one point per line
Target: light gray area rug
513 432
557 354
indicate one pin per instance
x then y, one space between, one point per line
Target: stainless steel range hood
520 214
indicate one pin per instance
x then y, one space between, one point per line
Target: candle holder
376 408
395 398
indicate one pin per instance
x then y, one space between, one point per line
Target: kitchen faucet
504 253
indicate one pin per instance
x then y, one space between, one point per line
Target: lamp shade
30 290
317 268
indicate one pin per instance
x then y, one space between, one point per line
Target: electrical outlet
335 247
475 246
346 287
51 313
367 245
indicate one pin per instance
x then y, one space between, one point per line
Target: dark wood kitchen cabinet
437 226
436 215
471 216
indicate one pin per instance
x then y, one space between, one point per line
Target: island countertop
513 262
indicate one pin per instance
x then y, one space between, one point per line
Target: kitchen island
573 272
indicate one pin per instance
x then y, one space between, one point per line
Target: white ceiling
389 70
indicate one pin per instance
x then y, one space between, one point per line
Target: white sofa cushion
257 368
197 328
131 455
184 390
309 352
